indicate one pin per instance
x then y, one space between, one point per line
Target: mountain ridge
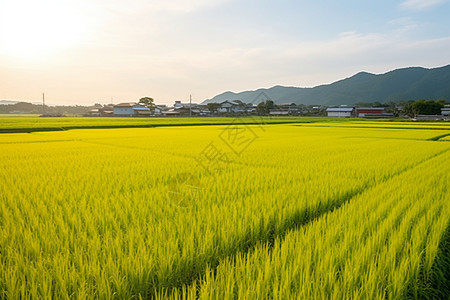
403 84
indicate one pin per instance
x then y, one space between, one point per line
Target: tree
213 107
147 102
392 108
409 109
428 107
263 107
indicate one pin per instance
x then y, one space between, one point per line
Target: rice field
34 123
248 211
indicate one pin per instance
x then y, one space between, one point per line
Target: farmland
34 123
251 210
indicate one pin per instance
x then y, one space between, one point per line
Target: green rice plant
92 213
371 248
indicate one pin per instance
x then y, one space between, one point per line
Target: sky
111 51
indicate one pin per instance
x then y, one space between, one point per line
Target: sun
31 29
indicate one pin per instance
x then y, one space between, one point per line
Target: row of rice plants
35 123
380 245
384 124
92 213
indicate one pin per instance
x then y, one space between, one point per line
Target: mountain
412 83
7 102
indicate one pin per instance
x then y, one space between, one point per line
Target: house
250 108
182 112
124 109
231 107
179 104
285 109
290 106
141 111
95 112
171 112
159 110
131 109
100 111
367 112
340 112
107 111
445 112
279 112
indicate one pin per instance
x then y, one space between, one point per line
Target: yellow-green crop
221 211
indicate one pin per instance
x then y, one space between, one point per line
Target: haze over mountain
404 84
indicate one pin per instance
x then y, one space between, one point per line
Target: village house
365 112
183 109
285 109
340 112
131 109
231 107
290 106
104 111
278 112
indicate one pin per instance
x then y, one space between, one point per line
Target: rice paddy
251 211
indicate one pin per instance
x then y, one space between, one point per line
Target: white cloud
403 25
420 4
183 6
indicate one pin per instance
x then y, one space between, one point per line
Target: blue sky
110 50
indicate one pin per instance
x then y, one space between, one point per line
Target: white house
231 107
130 109
124 109
445 111
340 112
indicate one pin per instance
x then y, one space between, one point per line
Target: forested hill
399 85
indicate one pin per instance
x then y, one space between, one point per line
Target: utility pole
190 106
43 103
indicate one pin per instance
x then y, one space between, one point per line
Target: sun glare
32 29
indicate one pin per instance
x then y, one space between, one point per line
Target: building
131 109
367 112
141 111
291 108
445 112
178 104
107 111
340 112
279 112
232 107
124 109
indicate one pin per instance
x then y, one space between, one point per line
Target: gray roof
340 109
142 108
126 104
370 108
